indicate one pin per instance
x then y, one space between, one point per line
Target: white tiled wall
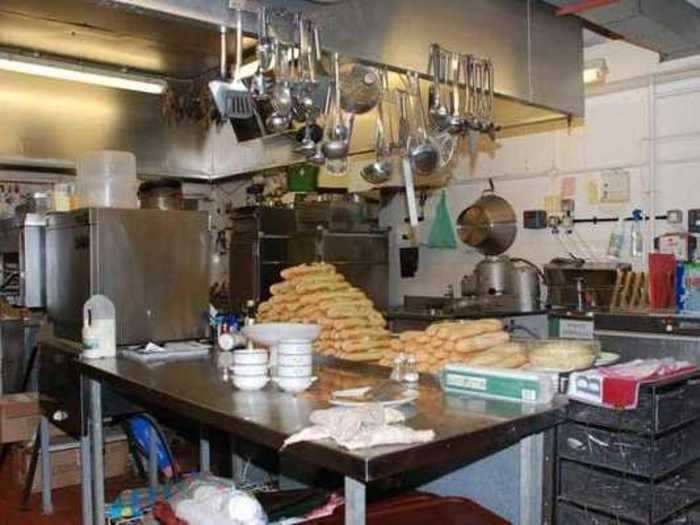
617 134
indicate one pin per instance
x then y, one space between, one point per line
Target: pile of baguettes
316 293
482 343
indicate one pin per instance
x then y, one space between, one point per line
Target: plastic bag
442 234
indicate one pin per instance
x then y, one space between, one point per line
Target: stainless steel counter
467 429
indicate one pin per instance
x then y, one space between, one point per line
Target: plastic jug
99 328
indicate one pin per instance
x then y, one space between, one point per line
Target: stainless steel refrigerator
153 265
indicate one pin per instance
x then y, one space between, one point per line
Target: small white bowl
249 370
294 385
250 357
294 371
294 359
296 351
250 382
294 346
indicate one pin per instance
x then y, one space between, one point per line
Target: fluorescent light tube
81 74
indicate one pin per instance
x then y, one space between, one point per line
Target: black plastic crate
662 406
631 498
569 514
649 456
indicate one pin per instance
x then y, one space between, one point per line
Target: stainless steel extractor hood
538 59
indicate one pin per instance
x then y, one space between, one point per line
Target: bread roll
482 342
306 269
562 355
372 355
360 333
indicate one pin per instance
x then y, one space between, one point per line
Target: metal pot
488 225
525 285
493 276
161 194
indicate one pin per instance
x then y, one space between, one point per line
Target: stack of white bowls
294 368
250 369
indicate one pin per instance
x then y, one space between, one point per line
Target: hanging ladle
380 170
423 153
339 137
439 113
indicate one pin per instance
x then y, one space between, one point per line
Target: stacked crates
632 466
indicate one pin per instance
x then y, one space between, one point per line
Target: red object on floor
419 508
66 501
165 514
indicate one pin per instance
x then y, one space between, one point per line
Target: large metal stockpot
488 225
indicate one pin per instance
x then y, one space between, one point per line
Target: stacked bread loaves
351 328
454 342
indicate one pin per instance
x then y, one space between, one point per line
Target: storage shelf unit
632 466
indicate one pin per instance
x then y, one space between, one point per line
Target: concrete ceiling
669 27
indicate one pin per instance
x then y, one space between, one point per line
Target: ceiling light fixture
79 73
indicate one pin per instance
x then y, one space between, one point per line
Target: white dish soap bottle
99 328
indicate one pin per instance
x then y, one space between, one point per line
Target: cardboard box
65 462
19 418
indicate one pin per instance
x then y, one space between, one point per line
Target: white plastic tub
107 179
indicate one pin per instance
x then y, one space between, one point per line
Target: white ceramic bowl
250 382
250 357
249 370
269 334
294 346
294 385
294 371
294 359
295 351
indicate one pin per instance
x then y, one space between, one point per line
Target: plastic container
617 240
107 179
636 235
302 178
99 328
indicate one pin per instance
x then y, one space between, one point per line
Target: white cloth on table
365 426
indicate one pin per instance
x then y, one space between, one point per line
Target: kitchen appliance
577 284
525 286
152 264
493 275
489 226
341 231
23 258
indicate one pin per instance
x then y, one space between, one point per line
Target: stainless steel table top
467 429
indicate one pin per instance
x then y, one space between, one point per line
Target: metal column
46 503
204 452
85 480
96 449
153 457
531 454
236 461
355 502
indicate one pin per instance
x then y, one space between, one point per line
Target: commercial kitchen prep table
467 429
